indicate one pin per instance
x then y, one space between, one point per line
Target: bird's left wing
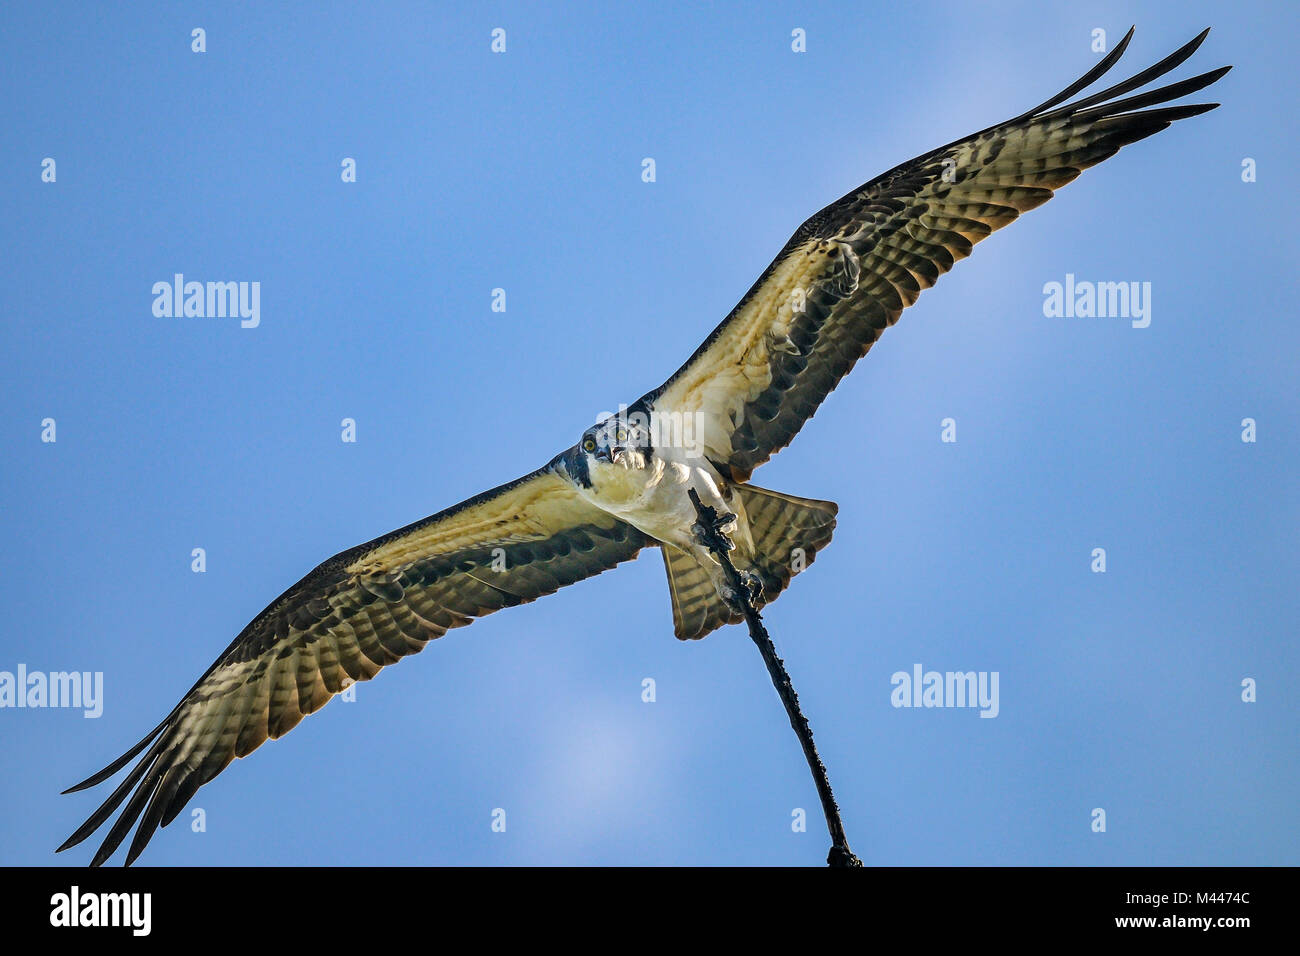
848 272
355 614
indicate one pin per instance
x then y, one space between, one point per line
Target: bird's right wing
849 272
356 613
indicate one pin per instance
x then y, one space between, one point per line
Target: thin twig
709 531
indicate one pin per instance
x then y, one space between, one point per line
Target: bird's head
620 440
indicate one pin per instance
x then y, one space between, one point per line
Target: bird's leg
710 530
751 588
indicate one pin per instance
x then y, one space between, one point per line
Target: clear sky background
522 171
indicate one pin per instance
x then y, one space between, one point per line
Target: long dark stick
709 531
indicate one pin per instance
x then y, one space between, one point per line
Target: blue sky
522 171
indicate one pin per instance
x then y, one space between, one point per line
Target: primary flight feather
843 278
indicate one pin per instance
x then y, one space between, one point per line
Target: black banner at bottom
334 906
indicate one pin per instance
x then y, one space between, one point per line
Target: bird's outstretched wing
848 272
355 614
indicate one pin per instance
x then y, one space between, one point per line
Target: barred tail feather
787 531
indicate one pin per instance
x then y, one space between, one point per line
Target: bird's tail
787 531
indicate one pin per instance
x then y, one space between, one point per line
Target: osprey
843 278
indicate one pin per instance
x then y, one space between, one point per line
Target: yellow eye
621 434
589 444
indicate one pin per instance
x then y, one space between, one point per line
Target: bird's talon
734 599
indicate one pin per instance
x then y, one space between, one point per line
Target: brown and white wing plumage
355 614
848 272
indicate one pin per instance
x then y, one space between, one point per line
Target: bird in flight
844 277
